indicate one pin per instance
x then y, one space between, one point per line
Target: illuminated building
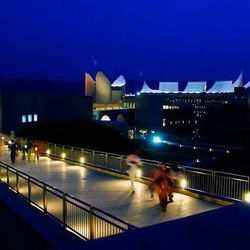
166 108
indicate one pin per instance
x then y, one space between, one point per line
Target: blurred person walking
162 185
133 161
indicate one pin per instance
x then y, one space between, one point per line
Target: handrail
202 180
65 199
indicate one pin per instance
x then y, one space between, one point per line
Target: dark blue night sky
151 40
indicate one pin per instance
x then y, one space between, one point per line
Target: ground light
138 173
63 155
82 159
157 139
48 151
183 183
247 197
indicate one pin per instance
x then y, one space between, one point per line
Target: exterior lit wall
89 86
103 89
48 107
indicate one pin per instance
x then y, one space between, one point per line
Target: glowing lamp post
138 173
247 197
63 155
82 159
183 183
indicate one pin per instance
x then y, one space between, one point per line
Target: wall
48 107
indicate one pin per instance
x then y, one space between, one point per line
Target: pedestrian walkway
109 193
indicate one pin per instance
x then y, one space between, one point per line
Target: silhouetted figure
24 151
13 150
29 148
37 152
133 161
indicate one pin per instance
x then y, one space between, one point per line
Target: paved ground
109 193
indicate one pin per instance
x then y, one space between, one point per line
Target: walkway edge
44 225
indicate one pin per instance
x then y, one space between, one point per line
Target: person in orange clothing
1 144
161 185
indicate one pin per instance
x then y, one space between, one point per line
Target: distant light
197 160
194 147
138 173
9 142
25 146
152 131
2 137
227 151
181 146
138 93
157 139
247 197
105 118
210 149
48 151
63 155
82 159
183 183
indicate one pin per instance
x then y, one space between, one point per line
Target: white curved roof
239 81
119 82
221 87
147 89
196 87
168 87
246 86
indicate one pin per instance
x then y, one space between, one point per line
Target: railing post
106 160
121 168
91 223
7 176
0 173
93 157
72 153
55 149
212 184
44 198
17 182
29 189
82 152
64 210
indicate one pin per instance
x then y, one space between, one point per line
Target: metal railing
216 184
85 220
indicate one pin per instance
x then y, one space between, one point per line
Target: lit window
29 118
35 118
24 119
164 122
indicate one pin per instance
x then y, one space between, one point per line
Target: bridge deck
109 193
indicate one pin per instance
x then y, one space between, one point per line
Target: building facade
19 109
